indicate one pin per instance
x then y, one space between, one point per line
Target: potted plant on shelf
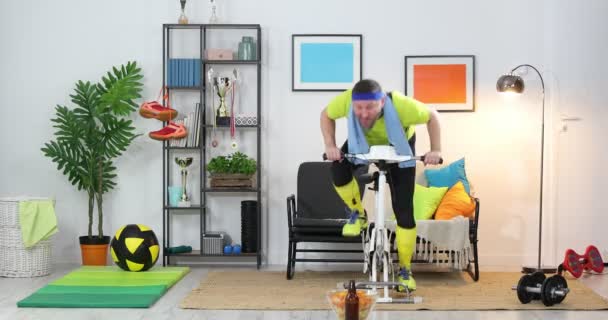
89 137
233 171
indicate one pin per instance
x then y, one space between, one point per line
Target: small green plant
237 162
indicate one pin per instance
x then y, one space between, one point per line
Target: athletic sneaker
155 110
407 279
171 131
355 224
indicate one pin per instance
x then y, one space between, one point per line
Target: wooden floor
13 290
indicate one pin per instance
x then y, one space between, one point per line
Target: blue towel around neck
357 143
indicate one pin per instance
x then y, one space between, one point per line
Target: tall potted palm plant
89 137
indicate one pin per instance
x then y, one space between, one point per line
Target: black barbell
536 286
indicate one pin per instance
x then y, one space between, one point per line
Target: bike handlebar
417 158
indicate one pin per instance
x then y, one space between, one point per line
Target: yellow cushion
454 203
426 201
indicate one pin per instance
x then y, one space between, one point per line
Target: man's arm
434 128
328 129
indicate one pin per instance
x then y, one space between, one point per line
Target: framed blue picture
325 62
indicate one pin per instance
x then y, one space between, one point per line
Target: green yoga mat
105 287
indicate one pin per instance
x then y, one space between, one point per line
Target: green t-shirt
411 112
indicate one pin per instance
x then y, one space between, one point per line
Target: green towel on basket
38 221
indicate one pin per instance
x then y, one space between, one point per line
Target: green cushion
106 287
88 300
114 276
93 297
51 289
426 201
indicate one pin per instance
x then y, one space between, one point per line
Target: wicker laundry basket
16 261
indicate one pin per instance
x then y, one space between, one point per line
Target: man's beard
373 122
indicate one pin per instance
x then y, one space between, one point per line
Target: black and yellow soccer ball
134 247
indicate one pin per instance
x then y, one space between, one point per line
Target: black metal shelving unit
201 209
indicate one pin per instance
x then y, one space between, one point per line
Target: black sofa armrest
291 210
474 223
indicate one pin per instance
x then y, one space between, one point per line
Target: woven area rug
251 290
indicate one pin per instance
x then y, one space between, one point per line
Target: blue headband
368 95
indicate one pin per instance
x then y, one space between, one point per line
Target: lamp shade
510 83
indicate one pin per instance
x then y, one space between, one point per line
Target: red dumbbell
576 264
594 259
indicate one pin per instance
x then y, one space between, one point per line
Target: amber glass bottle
351 303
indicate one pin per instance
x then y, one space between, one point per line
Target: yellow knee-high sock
349 193
406 242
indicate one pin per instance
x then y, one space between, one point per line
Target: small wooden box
218 54
228 180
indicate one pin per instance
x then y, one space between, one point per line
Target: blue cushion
448 175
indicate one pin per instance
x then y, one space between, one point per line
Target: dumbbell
576 264
532 281
550 290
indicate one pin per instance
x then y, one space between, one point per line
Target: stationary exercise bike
378 262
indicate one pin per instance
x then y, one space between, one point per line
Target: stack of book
184 73
192 122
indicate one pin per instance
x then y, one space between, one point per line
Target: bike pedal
408 293
406 290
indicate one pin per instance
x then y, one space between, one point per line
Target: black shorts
401 182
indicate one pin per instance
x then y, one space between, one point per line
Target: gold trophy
184 162
223 85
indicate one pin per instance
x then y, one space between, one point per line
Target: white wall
575 77
47 46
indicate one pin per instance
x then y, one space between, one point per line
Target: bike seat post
379 223
375 180
381 233
382 165
382 169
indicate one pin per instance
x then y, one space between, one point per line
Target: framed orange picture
446 83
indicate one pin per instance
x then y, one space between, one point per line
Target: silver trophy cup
184 162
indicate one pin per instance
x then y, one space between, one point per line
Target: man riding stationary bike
376 118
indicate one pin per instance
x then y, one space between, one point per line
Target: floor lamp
515 84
